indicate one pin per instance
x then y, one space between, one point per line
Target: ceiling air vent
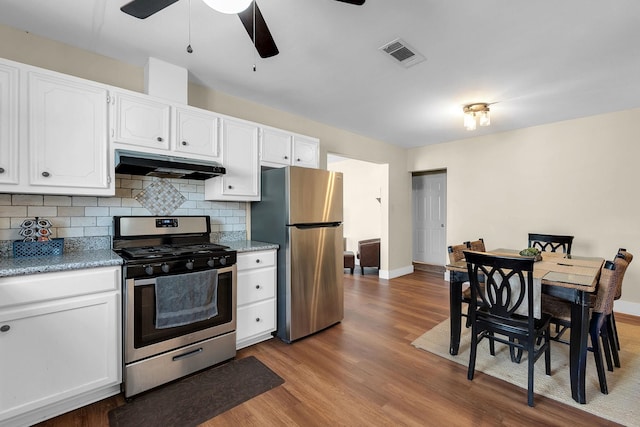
402 53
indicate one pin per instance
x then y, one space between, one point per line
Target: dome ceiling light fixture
228 6
480 110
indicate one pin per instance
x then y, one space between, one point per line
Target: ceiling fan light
228 6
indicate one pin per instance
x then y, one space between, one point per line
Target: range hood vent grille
402 53
135 163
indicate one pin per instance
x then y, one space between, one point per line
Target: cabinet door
58 350
305 152
68 144
275 147
8 124
141 121
240 154
196 132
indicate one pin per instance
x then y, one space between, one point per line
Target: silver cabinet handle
46 174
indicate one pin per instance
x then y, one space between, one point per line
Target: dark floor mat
198 398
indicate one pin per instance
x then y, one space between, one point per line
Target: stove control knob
165 268
149 270
223 260
189 264
211 263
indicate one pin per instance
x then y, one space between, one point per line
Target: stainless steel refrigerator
301 210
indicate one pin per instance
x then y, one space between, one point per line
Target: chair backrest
477 245
611 275
456 252
508 284
550 242
621 267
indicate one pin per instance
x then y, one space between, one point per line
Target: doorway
429 196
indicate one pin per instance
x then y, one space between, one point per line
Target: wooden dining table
568 277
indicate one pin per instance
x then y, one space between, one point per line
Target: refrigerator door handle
316 225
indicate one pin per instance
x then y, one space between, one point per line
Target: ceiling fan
263 41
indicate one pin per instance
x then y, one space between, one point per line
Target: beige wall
362 211
396 257
575 177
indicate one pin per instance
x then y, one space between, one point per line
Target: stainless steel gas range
172 269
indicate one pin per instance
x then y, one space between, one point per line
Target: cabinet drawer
34 288
249 260
256 285
256 319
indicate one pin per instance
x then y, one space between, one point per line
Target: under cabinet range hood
137 163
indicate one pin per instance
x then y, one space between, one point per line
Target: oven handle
152 280
189 354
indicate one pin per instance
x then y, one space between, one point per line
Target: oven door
142 339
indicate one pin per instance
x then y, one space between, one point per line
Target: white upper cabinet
280 148
275 147
196 132
9 124
241 160
140 120
305 151
67 128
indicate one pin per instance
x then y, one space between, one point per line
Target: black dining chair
508 285
611 275
456 254
622 252
550 242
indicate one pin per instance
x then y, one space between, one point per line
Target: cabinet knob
257 319
5 328
46 174
286 157
258 261
1 170
185 143
159 139
230 187
257 286
298 160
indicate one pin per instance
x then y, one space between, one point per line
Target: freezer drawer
314 294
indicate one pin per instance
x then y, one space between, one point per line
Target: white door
429 218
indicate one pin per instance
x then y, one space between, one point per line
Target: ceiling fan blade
265 45
356 2
145 8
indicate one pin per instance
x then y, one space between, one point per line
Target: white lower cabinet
60 335
256 297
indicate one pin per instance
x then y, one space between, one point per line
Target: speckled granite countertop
95 258
68 261
250 245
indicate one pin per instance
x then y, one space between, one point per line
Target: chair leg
613 341
547 352
530 366
614 332
605 347
597 354
362 270
472 353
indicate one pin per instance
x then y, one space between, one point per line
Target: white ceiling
537 61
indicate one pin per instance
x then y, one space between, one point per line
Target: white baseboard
627 307
392 274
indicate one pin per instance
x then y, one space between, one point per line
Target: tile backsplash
87 216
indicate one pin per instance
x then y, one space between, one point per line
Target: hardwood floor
365 372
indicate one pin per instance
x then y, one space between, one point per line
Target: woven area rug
620 405
198 398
